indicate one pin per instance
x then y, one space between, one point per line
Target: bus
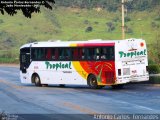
96 63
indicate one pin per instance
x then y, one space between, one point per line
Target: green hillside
77 24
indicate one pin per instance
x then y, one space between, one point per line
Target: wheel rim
36 80
93 82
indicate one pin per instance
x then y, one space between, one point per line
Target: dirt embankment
9 65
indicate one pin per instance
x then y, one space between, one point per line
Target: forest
110 5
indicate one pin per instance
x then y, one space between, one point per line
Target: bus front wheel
92 81
37 81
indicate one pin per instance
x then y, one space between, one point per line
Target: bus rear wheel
37 81
92 81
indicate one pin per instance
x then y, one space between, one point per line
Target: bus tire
37 81
119 86
92 81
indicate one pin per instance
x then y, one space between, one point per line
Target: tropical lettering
132 54
57 66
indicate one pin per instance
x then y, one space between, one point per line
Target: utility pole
123 29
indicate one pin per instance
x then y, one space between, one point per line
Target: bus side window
75 54
54 54
61 54
96 54
83 54
103 54
110 53
87 53
107 53
80 54
91 53
48 54
67 54
34 54
38 54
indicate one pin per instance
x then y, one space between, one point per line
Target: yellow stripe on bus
78 67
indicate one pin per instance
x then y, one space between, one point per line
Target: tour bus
95 63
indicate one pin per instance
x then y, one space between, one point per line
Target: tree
11 7
110 26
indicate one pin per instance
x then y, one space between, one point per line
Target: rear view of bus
131 61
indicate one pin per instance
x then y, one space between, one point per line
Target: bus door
24 59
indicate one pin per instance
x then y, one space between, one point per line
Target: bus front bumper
24 78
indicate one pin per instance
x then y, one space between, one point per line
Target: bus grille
109 77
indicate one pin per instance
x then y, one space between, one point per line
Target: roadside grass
154 79
9 60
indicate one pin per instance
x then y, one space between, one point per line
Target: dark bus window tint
103 53
34 54
38 53
110 53
25 50
41 53
48 53
96 54
80 54
89 53
68 54
65 54
24 59
83 53
54 53
24 54
107 53
61 54
76 54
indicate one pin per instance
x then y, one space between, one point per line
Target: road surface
73 102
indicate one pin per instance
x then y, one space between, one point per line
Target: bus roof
58 43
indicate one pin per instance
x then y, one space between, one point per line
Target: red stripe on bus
96 44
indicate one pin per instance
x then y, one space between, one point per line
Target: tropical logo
57 66
132 54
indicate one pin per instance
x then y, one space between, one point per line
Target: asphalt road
73 102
